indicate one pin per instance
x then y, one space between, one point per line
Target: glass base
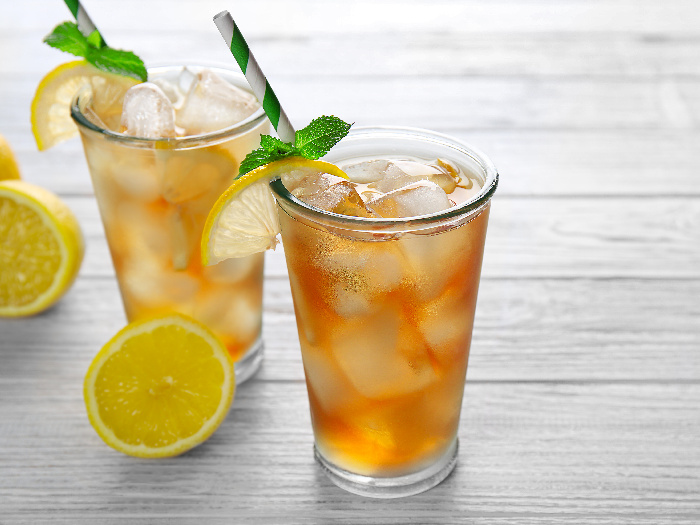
397 487
250 362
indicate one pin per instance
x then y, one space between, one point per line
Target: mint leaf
312 142
117 61
95 40
316 139
275 145
257 158
67 37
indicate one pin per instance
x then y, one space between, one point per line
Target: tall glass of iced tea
384 273
159 159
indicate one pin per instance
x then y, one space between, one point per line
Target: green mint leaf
312 142
117 61
316 139
67 37
95 40
259 157
275 145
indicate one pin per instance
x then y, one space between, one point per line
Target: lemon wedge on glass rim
244 219
159 387
50 112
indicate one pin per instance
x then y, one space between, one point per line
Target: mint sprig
67 37
311 142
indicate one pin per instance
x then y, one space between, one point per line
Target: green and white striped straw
258 83
84 22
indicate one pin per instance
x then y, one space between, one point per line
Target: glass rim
472 205
241 127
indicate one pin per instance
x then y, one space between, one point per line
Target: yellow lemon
159 387
41 248
51 120
244 219
8 164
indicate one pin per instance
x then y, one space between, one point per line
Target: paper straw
258 83
84 22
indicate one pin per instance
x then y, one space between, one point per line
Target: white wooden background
583 397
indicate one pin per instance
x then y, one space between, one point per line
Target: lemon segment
41 251
244 220
8 164
50 112
159 387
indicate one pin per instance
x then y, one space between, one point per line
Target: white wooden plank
403 53
529 453
465 102
539 330
274 17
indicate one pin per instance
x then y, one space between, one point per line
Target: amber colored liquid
153 204
385 329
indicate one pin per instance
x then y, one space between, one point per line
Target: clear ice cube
147 112
420 198
341 198
379 359
401 173
368 171
212 104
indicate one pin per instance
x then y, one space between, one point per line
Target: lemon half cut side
42 248
159 387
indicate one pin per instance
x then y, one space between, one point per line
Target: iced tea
156 179
384 282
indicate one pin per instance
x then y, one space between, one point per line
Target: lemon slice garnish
51 120
244 219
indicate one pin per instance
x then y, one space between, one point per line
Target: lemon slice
159 387
41 248
51 120
8 164
244 219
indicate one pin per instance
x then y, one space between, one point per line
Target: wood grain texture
530 453
525 330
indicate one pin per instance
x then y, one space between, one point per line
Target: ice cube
420 198
378 359
340 197
369 270
212 104
147 281
401 173
327 384
175 89
445 323
303 184
368 171
231 271
237 314
147 112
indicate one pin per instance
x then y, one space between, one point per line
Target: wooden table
582 403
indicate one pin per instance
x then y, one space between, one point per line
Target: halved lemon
41 248
51 120
159 387
8 164
244 219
